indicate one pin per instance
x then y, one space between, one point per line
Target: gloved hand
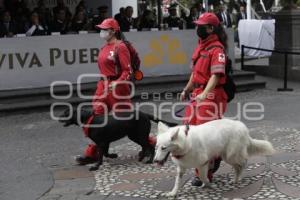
112 86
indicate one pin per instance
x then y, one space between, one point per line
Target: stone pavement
272 177
36 159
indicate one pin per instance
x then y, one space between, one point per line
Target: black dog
136 126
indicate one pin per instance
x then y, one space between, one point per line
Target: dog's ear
162 127
174 135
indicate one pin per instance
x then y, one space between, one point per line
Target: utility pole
249 9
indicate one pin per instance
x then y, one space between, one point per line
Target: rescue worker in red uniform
114 64
208 98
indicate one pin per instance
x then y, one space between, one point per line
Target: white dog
196 146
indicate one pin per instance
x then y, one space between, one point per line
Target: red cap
109 23
208 18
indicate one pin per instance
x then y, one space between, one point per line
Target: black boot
84 160
197 182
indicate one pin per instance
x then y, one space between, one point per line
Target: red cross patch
222 57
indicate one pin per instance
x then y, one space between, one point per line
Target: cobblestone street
275 177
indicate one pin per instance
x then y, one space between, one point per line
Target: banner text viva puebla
55 56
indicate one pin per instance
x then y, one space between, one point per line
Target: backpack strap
117 60
214 46
207 49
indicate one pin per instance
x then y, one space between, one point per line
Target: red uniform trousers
103 102
212 108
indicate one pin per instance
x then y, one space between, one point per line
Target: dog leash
187 125
181 109
187 128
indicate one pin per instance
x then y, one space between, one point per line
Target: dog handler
110 32
207 79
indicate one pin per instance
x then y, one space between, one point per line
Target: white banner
259 34
34 62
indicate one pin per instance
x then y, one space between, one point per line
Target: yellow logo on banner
164 47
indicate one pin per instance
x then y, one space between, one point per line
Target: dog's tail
156 120
260 147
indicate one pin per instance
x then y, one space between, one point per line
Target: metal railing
286 53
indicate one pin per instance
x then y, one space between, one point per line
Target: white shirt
225 20
33 28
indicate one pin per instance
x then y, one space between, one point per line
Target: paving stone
93 196
72 173
125 187
167 184
253 172
224 169
62 197
257 159
244 192
51 197
124 198
282 171
139 176
286 189
285 157
122 161
74 186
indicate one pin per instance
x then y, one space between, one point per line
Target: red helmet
109 23
208 18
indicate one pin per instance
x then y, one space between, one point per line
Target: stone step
243 86
38 98
243 75
86 87
25 104
11 94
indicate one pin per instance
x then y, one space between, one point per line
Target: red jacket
208 61
107 61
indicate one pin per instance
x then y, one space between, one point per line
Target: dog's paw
93 168
112 155
141 156
149 161
171 194
232 182
141 153
148 157
236 180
